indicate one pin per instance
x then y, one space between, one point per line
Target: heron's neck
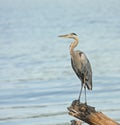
73 45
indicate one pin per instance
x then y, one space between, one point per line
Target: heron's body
82 68
80 64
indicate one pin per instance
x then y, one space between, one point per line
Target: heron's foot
78 101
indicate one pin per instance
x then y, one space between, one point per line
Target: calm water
37 83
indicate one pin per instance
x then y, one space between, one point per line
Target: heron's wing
82 68
87 71
78 72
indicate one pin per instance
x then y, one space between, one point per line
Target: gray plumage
82 68
80 64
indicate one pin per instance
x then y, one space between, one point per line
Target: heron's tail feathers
89 85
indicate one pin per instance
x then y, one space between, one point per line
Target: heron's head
71 35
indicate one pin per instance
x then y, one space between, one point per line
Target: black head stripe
74 34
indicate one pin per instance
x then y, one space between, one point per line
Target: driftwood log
88 114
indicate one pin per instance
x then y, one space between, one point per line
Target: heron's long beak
65 36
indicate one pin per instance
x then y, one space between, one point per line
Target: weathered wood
76 122
89 115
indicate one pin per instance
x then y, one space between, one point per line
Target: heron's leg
80 92
85 94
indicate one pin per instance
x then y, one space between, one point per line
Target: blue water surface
37 83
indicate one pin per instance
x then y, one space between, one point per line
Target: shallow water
37 83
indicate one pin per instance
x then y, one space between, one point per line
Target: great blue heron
80 65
